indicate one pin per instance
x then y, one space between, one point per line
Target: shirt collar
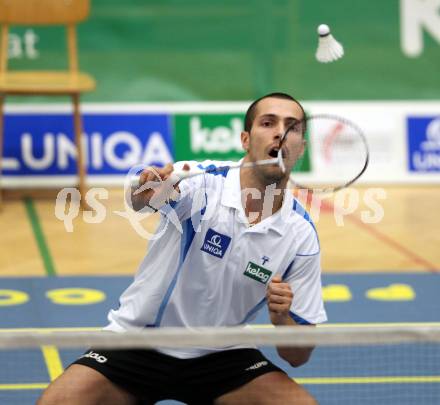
231 197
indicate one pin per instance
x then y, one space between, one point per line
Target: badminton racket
338 154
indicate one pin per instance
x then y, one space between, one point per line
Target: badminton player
244 244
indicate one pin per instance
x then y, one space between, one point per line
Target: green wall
170 50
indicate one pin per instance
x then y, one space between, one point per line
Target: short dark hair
250 113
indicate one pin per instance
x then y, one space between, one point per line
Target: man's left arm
279 298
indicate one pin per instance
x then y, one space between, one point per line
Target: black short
152 376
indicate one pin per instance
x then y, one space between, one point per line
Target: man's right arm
156 188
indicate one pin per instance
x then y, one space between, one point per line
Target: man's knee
80 385
286 391
269 389
63 391
60 393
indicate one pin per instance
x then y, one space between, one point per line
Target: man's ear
304 146
245 140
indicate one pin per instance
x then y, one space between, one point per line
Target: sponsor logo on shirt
96 356
257 272
215 243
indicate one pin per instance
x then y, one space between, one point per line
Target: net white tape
225 336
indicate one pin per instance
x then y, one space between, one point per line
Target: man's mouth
273 152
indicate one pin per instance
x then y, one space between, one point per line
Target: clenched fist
279 298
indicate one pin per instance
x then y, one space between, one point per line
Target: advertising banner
42 144
403 139
424 144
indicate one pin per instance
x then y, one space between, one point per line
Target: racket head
337 151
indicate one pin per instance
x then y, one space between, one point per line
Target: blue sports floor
405 374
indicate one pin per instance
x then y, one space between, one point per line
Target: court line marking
378 324
39 237
362 325
53 362
327 325
50 353
59 329
370 380
388 240
307 381
31 386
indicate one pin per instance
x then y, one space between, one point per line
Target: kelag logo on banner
424 144
208 136
42 144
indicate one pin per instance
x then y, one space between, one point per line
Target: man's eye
266 123
296 127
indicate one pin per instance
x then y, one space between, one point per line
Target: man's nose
279 132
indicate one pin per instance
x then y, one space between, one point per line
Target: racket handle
180 174
134 181
185 174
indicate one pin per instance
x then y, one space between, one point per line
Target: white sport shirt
215 270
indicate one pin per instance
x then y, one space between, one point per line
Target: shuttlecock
329 49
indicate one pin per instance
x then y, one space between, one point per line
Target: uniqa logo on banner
424 144
59 149
44 145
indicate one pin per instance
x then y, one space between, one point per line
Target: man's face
272 117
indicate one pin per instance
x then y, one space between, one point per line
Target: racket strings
338 154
